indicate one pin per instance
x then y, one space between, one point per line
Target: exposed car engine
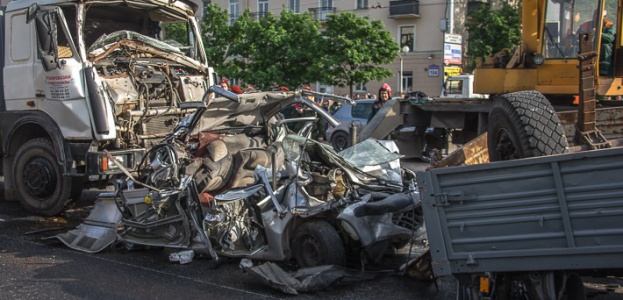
145 80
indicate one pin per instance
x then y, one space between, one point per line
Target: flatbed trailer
528 226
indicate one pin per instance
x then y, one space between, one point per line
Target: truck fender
33 124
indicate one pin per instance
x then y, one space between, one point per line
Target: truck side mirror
46 35
49 62
32 12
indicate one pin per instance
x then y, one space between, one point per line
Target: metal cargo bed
562 212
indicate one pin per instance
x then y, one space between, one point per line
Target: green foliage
176 32
354 47
291 51
277 51
493 30
217 38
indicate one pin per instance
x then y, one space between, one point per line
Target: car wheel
340 140
40 184
524 124
317 243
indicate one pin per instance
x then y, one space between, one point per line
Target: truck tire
39 182
524 124
317 243
340 140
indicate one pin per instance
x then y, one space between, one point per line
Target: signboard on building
452 71
453 38
452 54
433 71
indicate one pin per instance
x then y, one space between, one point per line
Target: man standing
607 40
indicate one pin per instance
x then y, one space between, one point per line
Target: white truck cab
460 86
85 82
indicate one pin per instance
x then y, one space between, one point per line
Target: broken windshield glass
108 39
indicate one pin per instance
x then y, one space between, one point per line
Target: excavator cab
546 60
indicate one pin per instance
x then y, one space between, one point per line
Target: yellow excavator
546 60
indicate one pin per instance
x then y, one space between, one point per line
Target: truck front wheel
39 182
524 124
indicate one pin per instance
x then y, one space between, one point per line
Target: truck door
58 76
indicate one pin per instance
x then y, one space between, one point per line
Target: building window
325 8
361 87
262 7
407 37
295 6
325 3
407 82
233 11
361 4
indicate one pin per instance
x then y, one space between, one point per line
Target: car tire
340 140
317 243
40 184
524 124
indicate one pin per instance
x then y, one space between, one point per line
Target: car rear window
362 110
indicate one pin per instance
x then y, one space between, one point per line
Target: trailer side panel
562 212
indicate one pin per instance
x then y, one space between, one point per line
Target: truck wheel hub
39 178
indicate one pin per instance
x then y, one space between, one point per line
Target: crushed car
234 181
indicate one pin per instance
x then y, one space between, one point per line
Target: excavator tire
524 124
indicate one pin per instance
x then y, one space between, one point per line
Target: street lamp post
404 49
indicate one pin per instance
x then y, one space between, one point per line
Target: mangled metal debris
307 280
234 182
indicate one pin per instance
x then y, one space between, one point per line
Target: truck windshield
102 20
565 20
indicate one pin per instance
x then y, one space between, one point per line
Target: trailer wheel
317 243
339 140
39 182
524 124
573 287
467 293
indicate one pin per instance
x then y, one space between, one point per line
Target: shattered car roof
253 109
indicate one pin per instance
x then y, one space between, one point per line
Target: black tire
524 124
467 293
340 140
573 287
77 185
317 243
39 182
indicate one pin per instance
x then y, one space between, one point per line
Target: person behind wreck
236 89
302 111
385 93
224 83
607 40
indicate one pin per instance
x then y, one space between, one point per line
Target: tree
353 49
277 51
176 32
218 37
490 30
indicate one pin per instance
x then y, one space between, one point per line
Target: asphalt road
32 267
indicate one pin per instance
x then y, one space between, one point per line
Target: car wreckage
233 181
